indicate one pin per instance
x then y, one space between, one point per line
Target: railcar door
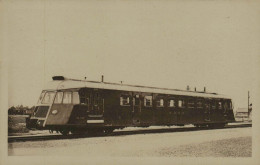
83 108
126 110
137 108
180 110
96 103
172 109
207 110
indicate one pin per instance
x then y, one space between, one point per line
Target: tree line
20 110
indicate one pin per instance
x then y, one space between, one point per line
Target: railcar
80 106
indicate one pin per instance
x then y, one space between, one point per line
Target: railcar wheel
216 125
95 131
200 125
65 132
108 130
220 125
79 132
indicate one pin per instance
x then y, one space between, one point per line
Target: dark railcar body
110 106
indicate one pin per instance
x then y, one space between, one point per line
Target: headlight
54 112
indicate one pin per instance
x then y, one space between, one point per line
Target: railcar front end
65 110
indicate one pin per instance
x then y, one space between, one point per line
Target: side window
136 100
148 101
199 104
181 103
75 97
159 103
124 100
191 103
219 105
67 98
58 98
171 103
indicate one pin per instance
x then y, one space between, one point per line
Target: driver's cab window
48 98
41 97
67 98
58 98
75 98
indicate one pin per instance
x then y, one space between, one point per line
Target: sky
155 43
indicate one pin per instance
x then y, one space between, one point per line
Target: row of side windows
181 103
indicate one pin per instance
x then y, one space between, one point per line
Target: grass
17 124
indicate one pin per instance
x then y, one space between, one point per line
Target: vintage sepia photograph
120 81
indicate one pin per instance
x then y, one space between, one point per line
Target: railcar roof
71 83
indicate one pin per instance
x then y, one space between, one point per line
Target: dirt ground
234 147
235 142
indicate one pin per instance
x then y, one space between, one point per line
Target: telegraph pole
248 96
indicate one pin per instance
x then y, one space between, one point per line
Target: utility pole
248 96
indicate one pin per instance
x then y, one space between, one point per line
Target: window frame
51 102
61 102
201 101
73 97
121 100
191 100
159 101
182 103
220 105
70 97
151 101
41 97
169 103
213 104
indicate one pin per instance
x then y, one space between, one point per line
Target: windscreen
48 98
41 97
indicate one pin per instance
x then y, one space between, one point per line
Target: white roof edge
70 83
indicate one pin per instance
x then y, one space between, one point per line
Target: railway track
12 139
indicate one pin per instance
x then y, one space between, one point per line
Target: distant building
20 111
29 111
241 114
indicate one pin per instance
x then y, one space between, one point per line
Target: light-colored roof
70 83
